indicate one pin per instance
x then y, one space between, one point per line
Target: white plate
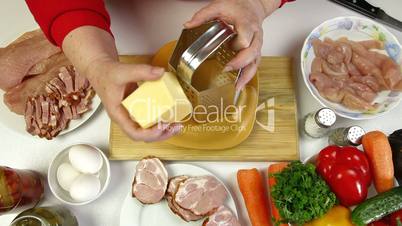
133 213
354 28
17 122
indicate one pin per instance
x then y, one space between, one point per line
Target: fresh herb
300 194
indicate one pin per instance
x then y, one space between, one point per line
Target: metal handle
361 6
202 48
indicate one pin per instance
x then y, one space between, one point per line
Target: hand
93 53
113 81
246 16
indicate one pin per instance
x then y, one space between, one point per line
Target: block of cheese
156 101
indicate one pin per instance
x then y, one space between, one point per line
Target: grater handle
202 48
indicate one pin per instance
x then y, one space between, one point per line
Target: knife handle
361 6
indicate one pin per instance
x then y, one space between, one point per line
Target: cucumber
378 207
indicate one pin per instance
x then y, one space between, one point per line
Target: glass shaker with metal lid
317 124
46 216
349 136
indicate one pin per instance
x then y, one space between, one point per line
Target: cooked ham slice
150 182
43 118
15 63
173 186
201 195
222 217
50 112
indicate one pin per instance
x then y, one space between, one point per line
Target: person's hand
113 81
93 53
246 16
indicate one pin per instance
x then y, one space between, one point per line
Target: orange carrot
272 169
379 153
251 184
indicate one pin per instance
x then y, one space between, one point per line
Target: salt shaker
317 124
349 136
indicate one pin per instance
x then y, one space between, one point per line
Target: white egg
66 174
85 187
85 159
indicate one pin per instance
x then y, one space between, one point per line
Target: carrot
251 184
379 153
272 169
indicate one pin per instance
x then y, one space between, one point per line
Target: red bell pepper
396 218
379 223
347 172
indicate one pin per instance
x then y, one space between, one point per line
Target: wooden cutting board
276 83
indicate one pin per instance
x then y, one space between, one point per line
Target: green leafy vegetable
300 194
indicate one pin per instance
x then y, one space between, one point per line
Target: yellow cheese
162 100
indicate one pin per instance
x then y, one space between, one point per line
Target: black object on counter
395 140
376 13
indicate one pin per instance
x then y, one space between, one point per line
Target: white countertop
141 27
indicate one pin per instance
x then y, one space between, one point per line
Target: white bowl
354 28
63 195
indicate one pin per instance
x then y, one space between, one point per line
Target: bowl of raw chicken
353 66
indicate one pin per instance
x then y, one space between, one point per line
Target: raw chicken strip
19 57
16 98
372 44
353 102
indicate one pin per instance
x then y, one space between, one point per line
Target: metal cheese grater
201 47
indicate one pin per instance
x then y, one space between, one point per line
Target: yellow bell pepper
337 216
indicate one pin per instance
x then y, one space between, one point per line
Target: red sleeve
58 17
285 1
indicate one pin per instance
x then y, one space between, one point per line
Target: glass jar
317 124
46 216
19 189
347 136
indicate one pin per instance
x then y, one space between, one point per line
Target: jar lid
30 220
355 134
325 117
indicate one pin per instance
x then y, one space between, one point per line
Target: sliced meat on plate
355 102
16 98
366 67
368 80
316 65
392 73
328 87
17 59
222 217
201 195
321 49
173 186
150 182
43 118
363 91
372 44
336 71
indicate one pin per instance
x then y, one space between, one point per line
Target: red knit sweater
58 17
